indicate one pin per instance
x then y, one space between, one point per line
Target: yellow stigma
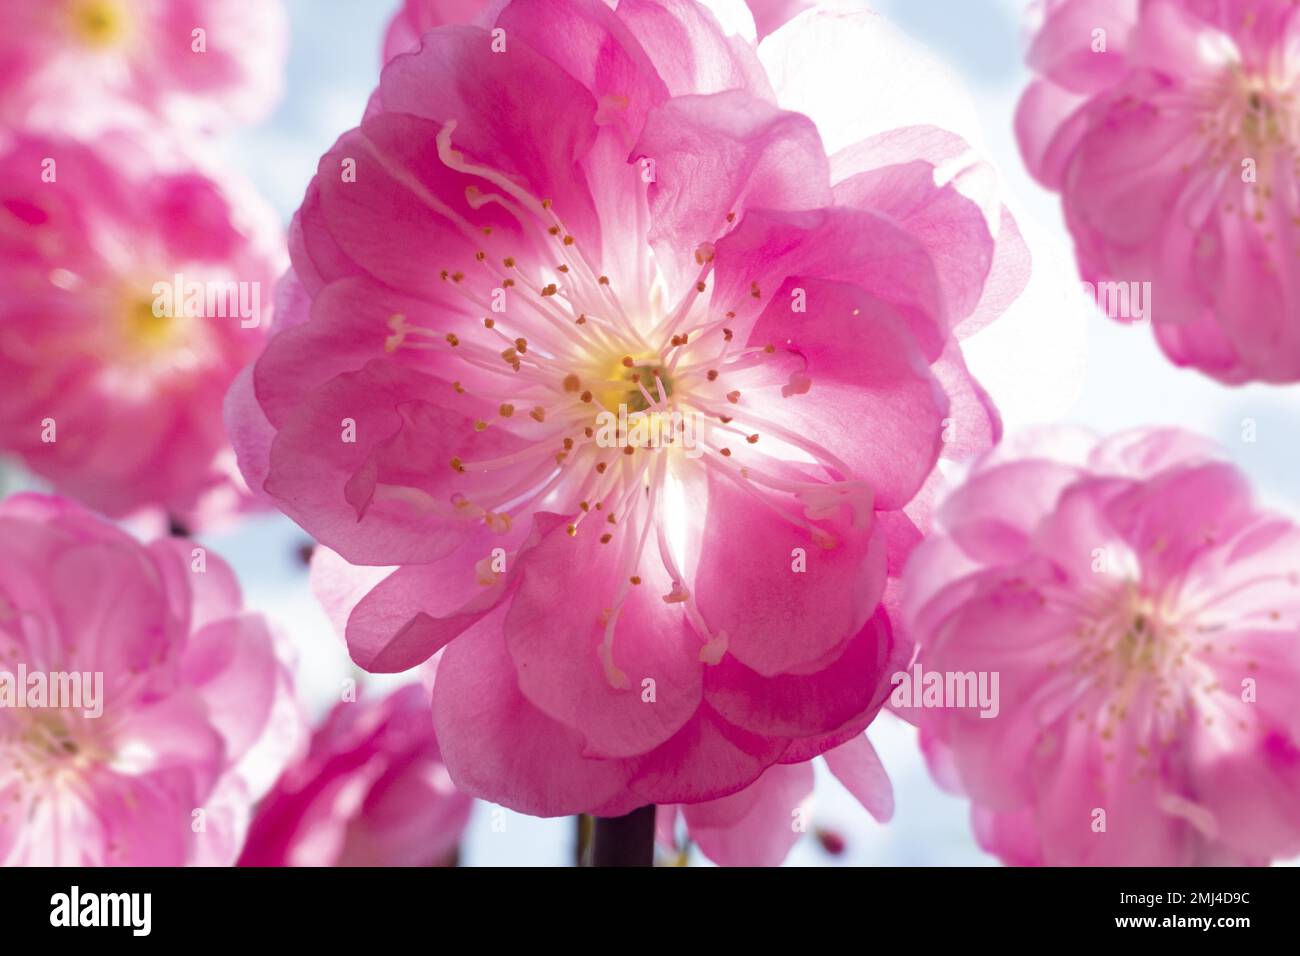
143 329
635 372
99 23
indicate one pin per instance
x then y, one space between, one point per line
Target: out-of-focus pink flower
758 826
112 383
1142 615
174 712
198 63
517 247
1170 128
372 791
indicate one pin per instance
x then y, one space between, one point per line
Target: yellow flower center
99 23
623 379
144 329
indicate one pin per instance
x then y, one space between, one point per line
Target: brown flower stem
584 828
625 841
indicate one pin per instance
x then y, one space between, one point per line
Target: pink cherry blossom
201 63
111 392
613 216
1169 128
1143 615
195 710
372 791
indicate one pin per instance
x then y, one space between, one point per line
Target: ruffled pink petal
994 515
339 586
234 659
1154 518
764 834
1003 626
1083 779
405 196
950 226
1007 277
651 682
857 765
113 610
973 424
901 653
499 746
203 587
805 705
1127 177
172 734
777 619
878 407
856 247
708 758
690 49
251 434
373 500
714 156
1050 121
770 14
418 17
522 115
594 45
1063 49
1012 835
1241 272
1139 452
413 612
1250 789
317 258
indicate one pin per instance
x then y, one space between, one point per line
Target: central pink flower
631 382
